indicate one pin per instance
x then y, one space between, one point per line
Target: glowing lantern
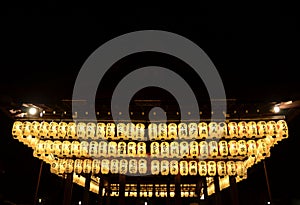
57 147
194 149
81 130
213 149
269 141
193 167
243 129
154 149
69 166
213 130
262 129
66 148
112 149
84 149
96 166
223 148
232 130
34 129
114 166
192 130
17 129
252 129
54 167
130 131
174 149
221 167
202 168
164 167
78 165
62 130
282 128
231 168
182 130
49 147
26 129
203 130
141 149
272 128
203 146
155 167
75 149
110 130
102 148
71 131
172 131
53 130
184 149
173 167
140 131
222 128
100 130
133 166
262 147
105 166
211 168
162 131
131 149
123 166
183 165
61 166
90 130
40 148
152 131
242 147
93 149
240 169
44 129
142 166
121 149
252 147
164 149
233 148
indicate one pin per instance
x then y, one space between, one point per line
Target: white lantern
184 149
34 129
202 168
66 148
173 167
142 166
232 130
211 168
112 149
78 165
262 147
114 166
252 148
154 149
91 130
101 130
270 141
130 131
93 149
61 166
155 167
262 129
57 147
182 130
203 146
141 149
123 166
282 129
69 166
131 149
184 170
243 130
17 130
192 130
140 131
71 131
162 131
221 166
194 149
213 132
242 147
40 148
193 167
96 166
49 148
54 167
241 171
105 166
164 167
84 149
272 128
231 168
75 149
110 130
133 166
233 148
164 149
81 131
223 132
44 129
203 130
252 129
223 148
26 129
152 131
62 130
213 149
174 149
172 131
122 149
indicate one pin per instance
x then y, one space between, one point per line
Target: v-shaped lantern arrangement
206 149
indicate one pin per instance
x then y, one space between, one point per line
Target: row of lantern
159 131
140 167
183 149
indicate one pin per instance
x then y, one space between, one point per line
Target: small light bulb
32 111
276 109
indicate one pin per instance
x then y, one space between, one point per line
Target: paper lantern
202 168
44 129
154 149
211 168
182 130
272 128
122 149
69 167
172 131
110 130
53 130
184 170
93 149
112 149
142 163
141 149
162 133
174 149
221 167
49 148
231 168
66 148
203 130
131 149
130 131
71 131
102 149
75 149
173 167
34 129
240 169
252 148
213 149
40 148
164 167
81 131
213 130
203 146
26 129
262 129
252 129
184 149
243 130
242 147
132 166
233 148
194 149
123 166
78 165
91 130
155 167
114 166
96 166
262 147
84 149
232 130
270 141
164 149
104 166
192 130
193 167
101 131
17 129
62 130
223 148
57 147
61 166
222 128
33 142
54 167
140 131
282 128
152 131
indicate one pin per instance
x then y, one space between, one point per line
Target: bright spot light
40 200
268 202
32 111
202 197
79 202
145 202
276 109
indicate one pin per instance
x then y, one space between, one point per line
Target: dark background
254 46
